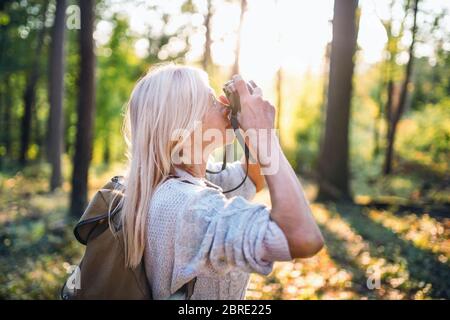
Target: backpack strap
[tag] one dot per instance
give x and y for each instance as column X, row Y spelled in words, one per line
column 190, row 288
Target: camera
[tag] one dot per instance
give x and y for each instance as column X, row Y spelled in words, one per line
column 233, row 96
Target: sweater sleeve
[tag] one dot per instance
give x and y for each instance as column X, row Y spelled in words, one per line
column 218, row 235
column 231, row 177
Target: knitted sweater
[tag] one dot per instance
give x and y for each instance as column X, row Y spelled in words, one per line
column 194, row 230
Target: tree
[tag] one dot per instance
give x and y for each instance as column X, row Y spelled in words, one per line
column 29, row 96
column 237, row 53
column 396, row 107
column 85, row 109
column 333, row 159
column 279, row 88
column 279, row 92
column 56, row 94
column 7, row 116
column 206, row 62
column 116, row 74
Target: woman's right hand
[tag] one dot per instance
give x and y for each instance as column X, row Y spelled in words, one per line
column 290, row 208
column 256, row 113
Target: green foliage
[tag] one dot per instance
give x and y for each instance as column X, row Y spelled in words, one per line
column 425, row 135
column 36, row 241
column 117, row 71
column 409, row 250
column 308, row 127
column 432, row 82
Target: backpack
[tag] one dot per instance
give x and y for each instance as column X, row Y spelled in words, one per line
column 102, row 273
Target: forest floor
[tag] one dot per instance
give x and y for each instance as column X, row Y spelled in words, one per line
column 383, row 246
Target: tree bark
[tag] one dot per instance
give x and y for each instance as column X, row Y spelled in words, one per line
column 395, row 112
column 56, row 95
column 29, row 96
column 85, row 110
column 235, row 69
column 206, row 62
column 333, row 160
column 7, row 117
column 279, row 88
column 106, row 152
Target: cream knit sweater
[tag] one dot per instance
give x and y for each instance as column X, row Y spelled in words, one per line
column 195, row 231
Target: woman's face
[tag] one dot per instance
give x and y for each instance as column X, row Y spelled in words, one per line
column 216, row 124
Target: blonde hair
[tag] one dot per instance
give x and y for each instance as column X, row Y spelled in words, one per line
column 167, row 98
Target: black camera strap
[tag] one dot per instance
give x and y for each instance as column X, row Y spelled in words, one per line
column 235, row 102
column 240, row 138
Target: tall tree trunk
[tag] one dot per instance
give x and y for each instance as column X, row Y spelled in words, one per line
column 279, row 88
column 85, row 110
column 206, row 62
column 237, row 51
column 376, row 135
column 388, row 110
column 323, row 105
column 7, row 141
column 333, row 161
column 56, row 95
column 378, row 119
column 29, row 96
column 395, row 111
column 2, row 124
column 106, row 152
column 4, row 92
column 36, row 134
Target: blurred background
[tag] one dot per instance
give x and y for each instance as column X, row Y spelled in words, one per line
column 362, row 90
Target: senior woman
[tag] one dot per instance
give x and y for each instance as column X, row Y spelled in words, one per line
column 177, row 217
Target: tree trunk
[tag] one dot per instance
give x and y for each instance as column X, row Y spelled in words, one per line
column 324, row 94
column 56, row 95
column 333, row 161
column 106, row 152
column 395, row 112
column 37, row 136
column 279, row 101
column 2, row 124
column 376, row 135
column 7, row 117
column 206, row 63
column 235, row 69
column 85, row 110
column 29, row 96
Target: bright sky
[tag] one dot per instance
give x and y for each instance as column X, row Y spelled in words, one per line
column 290, row 33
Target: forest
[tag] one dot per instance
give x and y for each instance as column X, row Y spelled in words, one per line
column 362, row 93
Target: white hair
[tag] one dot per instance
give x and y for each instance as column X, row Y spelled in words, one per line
column 168, row 98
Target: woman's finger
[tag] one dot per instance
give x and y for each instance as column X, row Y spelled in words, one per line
column 256, row 90
column 241, row 86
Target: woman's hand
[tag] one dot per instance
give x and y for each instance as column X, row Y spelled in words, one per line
column 256, row 113
column 290, row 208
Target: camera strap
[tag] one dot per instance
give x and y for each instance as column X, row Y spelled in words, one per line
column 235, row 101
column 240, row 138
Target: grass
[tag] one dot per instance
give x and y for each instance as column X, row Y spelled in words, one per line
column 370, row 253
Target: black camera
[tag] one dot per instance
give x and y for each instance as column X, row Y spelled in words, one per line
column 235, row 106
column 233, row 96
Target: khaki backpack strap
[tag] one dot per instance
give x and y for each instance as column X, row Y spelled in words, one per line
column 185, row 292
column 190, row 288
